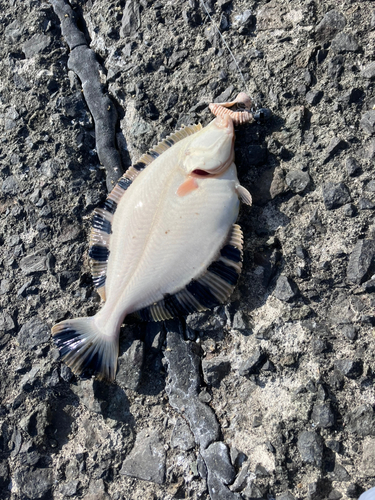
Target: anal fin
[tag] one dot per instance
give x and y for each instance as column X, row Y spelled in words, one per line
column 211, row 289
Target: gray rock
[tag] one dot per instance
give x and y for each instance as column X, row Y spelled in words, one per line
column 220, row 471
column 6, row 322
column 365, row 204
column 335, row 67
column 253, row 363
column 368, row 457
column 310, row 447
column 69, row 489
column 131, row 19
column 352, row 166
column 182, row 437
column 336, row 145
column 205, row 321
column 349, row 331
column 34, row 483
column 10, row 185
column 147, row 459
column 361, row 421
column 130, row 366
column 35, row 262
column 285, row 496
column 367, row 121
column 348, row 367
column 33, row 333
column 215, row 369
column 183, row 386
column 35, row 45
column 340, row 473
column 322, row 415
column 335, row 195
column 297, row 180
column 285, row 289
column 361, row 261
column 313, row 97
column 344, row 42
column 333, row 22
column 369, row 70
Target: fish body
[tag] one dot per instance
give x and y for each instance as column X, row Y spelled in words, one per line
column 164, row 244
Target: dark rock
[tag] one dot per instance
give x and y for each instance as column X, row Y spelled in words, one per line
column 340, row 473
column 35, row 262
column 322, row 415
column 369, row 286
column 297, row 180
column 367, row 121
column 335, row 67
column 352, row 166
column 34, row 483
column 310, row 448
column 171, row 101
column 253, row 363
column 220, row 471
column 333, row 445
column 361, row 261
column 35, row 45
column 335, row 195
column 361, row 421
column 344, row 42
column 335, row 146
column 331, row 24
column 177, row 57
column 183, row 386
column 215, row 369
column 313, row 97
column 365, row 204
column 205, row 321
column 147, row 459
column 130, row 366
column 369, row 70
column 182, row 437
column 285, row 289
column 348, row 367
column 313, row 491
column 10, row 186
column 33, row 333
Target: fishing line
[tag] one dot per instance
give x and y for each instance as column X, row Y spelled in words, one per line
column 226, row 46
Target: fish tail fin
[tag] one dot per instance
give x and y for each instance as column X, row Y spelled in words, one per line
column 83, row 346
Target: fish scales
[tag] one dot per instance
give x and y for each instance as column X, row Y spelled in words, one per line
column 164, row 244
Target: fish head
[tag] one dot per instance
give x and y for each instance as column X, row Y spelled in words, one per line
column 211, row 150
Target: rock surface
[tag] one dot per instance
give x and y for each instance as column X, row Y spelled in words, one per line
column 268, row 396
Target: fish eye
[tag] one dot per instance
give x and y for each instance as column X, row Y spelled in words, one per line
column 201, row 173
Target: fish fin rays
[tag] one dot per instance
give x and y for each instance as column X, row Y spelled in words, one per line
column 102, row 219
column 84, row 347
column 210, row 289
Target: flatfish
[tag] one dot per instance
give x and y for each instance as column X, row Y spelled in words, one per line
column 164, row 244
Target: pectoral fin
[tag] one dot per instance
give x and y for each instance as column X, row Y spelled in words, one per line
column 244, row 195
column 187, row 186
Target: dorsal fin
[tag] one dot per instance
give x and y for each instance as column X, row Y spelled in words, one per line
column 210, row 289
column 102, row 219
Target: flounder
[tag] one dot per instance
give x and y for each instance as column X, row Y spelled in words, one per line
column 164, row 244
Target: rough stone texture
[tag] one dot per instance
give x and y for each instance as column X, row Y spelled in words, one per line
column 160, row 64
column 147, row 459
column 335, row 195
column 310, row 447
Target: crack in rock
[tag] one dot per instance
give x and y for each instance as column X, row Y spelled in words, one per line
column 82, row 60
column 183, row 388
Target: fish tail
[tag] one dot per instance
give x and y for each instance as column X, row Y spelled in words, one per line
column 83, row 346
